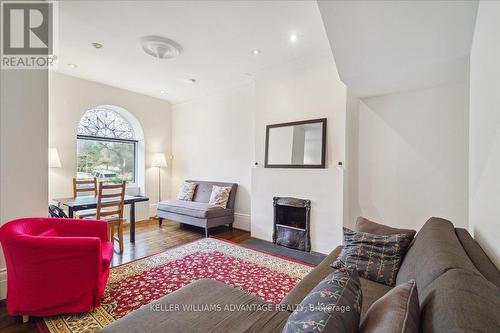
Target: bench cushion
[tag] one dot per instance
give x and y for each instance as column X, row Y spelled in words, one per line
column 194, row 209
column 161, row 316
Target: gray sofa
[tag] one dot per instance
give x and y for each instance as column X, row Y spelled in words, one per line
column 198, row 212
column 458, row 290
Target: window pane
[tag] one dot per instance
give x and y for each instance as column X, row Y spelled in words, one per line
column 106, row 160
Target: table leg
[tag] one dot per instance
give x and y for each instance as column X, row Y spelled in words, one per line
column 132, row 222
column 70, row 212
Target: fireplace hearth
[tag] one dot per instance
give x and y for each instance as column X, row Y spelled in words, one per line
column 292, row 223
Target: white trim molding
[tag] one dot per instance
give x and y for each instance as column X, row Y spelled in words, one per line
column 242, row 221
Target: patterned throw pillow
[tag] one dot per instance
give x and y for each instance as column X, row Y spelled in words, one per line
column 219, row 196
column 334, row 305
column 376, row 257
column 187, row 191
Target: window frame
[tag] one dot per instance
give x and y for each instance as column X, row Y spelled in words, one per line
column 106, row 139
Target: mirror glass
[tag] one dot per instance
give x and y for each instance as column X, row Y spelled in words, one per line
column 296, row 145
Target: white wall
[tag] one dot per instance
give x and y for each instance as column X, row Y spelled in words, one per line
column 71, row 97
column 213, row 140
column 484, row 162
column 408, row 157
column 23, row 148
column 285, row 94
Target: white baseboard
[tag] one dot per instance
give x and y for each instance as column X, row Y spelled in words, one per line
column 242, row 221
column 3, row 283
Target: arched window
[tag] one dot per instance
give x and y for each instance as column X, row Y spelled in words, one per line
column 105, row 123
column 106, row 146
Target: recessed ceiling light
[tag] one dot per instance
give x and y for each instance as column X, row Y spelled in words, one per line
column 293, row 38
column 97, row 45
column 73, row 65
column 255, row 51
column 162, row 92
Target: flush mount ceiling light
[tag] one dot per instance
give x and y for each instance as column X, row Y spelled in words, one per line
column 97, row 45
column 162, row 92
column 293, row 38
column 160, row 47
column 255, row 51
column 73, row 65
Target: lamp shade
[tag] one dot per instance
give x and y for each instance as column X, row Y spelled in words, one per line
column 159, row 161
column 54, row 161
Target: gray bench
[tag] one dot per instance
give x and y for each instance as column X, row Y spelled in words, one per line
column 198, row 212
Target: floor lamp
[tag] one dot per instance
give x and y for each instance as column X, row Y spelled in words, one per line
column 159, row 161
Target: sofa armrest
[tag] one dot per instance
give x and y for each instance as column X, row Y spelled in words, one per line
column 312, row 279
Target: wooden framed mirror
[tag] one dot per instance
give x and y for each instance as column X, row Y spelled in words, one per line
column 299, row 144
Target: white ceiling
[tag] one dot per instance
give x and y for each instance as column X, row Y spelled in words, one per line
column 382, row 47
column 216, row 37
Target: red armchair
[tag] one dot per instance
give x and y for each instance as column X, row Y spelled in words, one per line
column 55, row 266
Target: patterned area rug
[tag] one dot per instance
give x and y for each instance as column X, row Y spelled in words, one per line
column 140, row 282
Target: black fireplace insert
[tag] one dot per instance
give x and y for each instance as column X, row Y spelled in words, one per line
column 292, row 223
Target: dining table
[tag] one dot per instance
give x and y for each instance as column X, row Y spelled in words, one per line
column 90, row 202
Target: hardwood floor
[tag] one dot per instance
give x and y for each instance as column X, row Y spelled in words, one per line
column 149, row 239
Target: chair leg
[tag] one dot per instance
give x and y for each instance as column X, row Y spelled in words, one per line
column 160, row 220
column 26, row 318
column 120, row 237
column 110, row 233
column 206, row 232
column 230, row 227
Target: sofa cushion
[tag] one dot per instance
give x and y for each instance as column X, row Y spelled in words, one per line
column 478, row 257
column 334, row 305
column 195, row 209
column 371, row 227
column 376, row 257
column 372, row 291
column 168, row 314
column 460, row 301
column 437, row 243
column 397, row 311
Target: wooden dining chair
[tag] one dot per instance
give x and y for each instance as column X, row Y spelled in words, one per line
column 85, row 185
column 81, row 185
column 110, row 202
